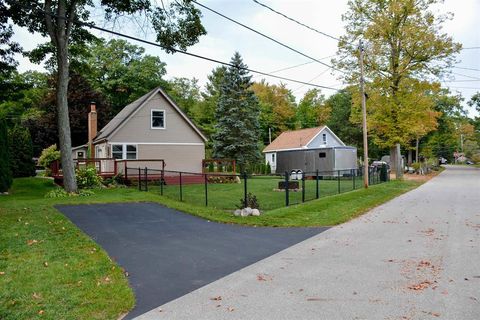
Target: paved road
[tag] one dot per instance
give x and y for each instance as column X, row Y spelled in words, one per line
column 168, row 253
column 416, row 257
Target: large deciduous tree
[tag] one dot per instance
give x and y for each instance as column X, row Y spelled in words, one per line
column 312, row 110
column 404, row 46
column 237, row 128
column 63, row 22
column 277, row 109
column 5, row 170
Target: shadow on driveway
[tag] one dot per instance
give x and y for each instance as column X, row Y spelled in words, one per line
column 168, row 253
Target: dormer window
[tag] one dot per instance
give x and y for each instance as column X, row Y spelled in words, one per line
column 158, row 119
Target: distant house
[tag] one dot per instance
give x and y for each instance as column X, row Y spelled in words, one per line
column 150, row 128
column 308, row 150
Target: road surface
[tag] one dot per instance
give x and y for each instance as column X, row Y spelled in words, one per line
column 415, row 257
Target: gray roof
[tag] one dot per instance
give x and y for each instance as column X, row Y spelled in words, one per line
column 128, row 111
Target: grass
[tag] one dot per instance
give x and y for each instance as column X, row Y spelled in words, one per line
column 49, row 269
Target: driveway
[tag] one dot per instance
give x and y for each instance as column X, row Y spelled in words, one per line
column 168, row 253
column 415, row 257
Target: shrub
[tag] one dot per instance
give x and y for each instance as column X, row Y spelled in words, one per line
column 268, row 169
column 5, row 170
column 252, row 202
column 211, row 167
column 61, row 193
column 49, row 155
column 88, row 178
column 21, row 152
column 476, row 158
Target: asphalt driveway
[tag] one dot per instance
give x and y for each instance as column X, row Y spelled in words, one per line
column 168, row 253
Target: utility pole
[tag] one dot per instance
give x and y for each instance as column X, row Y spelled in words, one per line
column 364, row 118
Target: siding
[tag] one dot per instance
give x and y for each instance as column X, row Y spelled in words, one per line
column 138, row 128
column 177, row 157
column 332, row 141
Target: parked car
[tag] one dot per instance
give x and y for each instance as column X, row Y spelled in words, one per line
column 442, row 160
column 469, row 162
column 378, row 165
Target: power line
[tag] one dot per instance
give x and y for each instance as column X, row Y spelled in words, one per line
column 92, row 26
column 470, row 48
column 296, row 21
column 265, row 36
column 463, row 68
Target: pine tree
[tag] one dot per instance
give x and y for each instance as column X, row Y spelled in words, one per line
column 5, row 173
column 237, row 129
column 21, row 152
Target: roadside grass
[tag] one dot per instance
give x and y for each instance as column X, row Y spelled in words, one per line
column 49, row 269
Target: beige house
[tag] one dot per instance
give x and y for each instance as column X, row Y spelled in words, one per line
column 152, row 127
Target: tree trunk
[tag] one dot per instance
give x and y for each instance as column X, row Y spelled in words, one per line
column 409, row 161
column 416, row 150
column 69, row 179
column 396, row 161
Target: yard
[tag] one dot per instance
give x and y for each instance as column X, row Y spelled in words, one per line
column 50, row 269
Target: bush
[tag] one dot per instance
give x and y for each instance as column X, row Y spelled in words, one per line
column 88, row 178
column 21, row 152
column 115, row 181
column 5, row 170
column 49, row 155
column 252, row 202
column 268, row 169
column 61, row 193
column 211, row 167
column 476, row 158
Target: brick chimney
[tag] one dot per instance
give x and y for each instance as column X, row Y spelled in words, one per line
column 92, row 128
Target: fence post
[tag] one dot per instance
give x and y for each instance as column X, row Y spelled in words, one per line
column 139, row 179
column 286, row 189
column 162, row 181
column 352, row 172
column 318, row 191
column 245, row 188
column 206, row 190
column 303, row 186
column 146, row 179
column 181, row 195
column 338, row 179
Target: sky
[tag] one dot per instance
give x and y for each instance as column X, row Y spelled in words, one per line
column 224, row 38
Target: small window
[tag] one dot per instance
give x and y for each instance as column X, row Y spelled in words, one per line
column 80, row 155
column 322, row 155
column 158, row 119
column 273, row 157
column 131, row 152
column 117, row 151
column 324, row 138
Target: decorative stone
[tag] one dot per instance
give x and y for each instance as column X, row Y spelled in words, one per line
column 255, row 212
column 244, row 213
column 237, row 212
column 249, row 211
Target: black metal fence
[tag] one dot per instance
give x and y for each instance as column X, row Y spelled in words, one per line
column 227, row 191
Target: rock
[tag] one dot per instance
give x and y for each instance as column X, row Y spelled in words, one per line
column 237, row 212
column 255, row 212
column 244, row 213
column 249, row 211
column 237, row 179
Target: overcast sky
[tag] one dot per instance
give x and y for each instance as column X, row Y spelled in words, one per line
column 225, row 37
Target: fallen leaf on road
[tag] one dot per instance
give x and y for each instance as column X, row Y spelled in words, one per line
column 420, row 286
column 230, row 309
column 216, row 298
column 264, row 277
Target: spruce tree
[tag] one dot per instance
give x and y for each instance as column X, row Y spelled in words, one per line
column 5, row 173
column 21, row 152
column 237, row 129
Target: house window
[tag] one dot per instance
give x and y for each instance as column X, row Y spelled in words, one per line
column 273, row 157
column 322, row 155
column 131, row 152
column 324, row 138
column 80, row 155
column 158, row 119
column 124, row 151
column 117, row 151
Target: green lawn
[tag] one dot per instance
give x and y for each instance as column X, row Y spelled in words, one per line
column 49, row 269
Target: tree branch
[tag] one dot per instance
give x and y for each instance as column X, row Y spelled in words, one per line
column 48, row 21
column 71, row 18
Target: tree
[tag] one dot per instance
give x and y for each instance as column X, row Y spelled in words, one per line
column 186, row 94
column 21, row 152
column 177, row 25
column 237, row 128
column 43, row 127
column 405, row 45
column 277, row 109
column 7, row 47
column 5, row 171
column 312, row 110
column 120, row 71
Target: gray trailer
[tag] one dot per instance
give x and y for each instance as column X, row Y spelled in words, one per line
column 327, row 160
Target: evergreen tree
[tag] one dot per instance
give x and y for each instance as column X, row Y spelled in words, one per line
column 237, row 129
column 21, row 152
column 5, row 173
